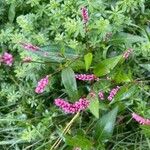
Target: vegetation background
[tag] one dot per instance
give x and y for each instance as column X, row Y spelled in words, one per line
column 31, row 121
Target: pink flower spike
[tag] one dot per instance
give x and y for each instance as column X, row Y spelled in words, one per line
column 85, row 16
column 113, row 92
column 30, row 47
column 41, row 85
column 140, row 119
column 69, row 108
column 127, row 53
column 86, row 77
column 101, row 95
column 7, row 59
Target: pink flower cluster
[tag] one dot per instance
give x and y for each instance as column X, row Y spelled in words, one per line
column 101, row 95
column 140, row 119
column 7, row 59
column 113, row 92
column 86, row 77
column 41, row 85
column 85, row 16
column 67, row 107
column 127, row 53
column 30, row 47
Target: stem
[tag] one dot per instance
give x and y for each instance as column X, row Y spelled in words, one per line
column 66, row 129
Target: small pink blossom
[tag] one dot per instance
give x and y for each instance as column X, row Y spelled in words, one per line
column 92, row 94
column 86, row 77
column 7, row 59
column 41, row 85
column 30, row 47
column 140, row 119
column 84, row 13
column 127, row 53
column 67, row 107
column 101, row 95
column 27, row 59
column 113, row 92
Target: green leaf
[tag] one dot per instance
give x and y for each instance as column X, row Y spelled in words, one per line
column 127, row 38
column 94, row 106
column 146, row 66
column 88, row 60
column 11, row 12
column 121, row 77
column 102, row 85
column 106, row 66
column 56, row 53
column 105, row 126
column 78, row 141
column 69, row 82
column 124, row 92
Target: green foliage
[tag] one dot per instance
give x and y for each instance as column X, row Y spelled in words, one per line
column 88, row 60
column 69, row 82
column 106, row 65
column 105, row 126
column 68, row 46
column 94, row 106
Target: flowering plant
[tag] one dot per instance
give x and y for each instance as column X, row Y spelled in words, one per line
column 74, row 74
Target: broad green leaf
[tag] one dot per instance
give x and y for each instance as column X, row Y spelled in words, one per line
column 79, row 141
column 56, row 53
column 121, row 77
column 105, row 126
column 146, row 66
column 125, row 92
column 88, row 60
column 102, row 85
column 106, row 66
column 94, row 106
column 127, row 38
column 11, row 12
column 69, row 82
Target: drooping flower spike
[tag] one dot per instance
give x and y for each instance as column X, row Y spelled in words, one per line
column 140, row 119
column 86, row 77
column 30, row 47
column 69, row 108
column 41, row 85
column 113, row 92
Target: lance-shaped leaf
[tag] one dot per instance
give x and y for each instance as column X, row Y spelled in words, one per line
column 124, row 92
column 105, row 126
column 79, row 141
column 69, row 82
column 127, row 38
column 105, row 66
column 56, row 53
column 88, row 60
column 11, row 12
column 94, row 106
